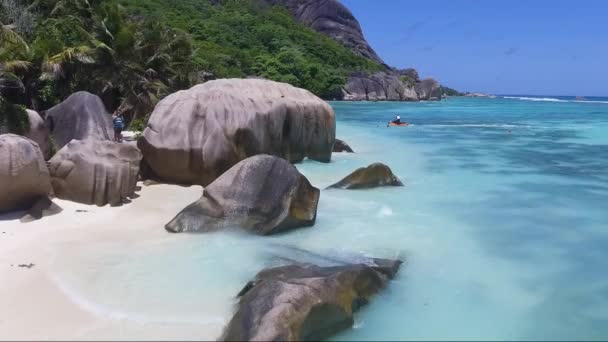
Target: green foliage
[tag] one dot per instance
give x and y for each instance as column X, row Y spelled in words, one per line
column 134, row 52
column 408, row 81
column 449, row 91
column 94, row 45
column 238, row 38
column 13, row 117
column 139, row 124
column 52, row 146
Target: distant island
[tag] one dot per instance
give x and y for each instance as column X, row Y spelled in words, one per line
column 479, row 95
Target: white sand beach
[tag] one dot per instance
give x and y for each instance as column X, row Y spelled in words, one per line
column 34, row 306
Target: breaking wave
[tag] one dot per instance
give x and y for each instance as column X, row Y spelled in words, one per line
column 550, row 99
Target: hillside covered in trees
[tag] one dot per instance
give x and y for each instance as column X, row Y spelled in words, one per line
column 245, row 38
column 133, row 52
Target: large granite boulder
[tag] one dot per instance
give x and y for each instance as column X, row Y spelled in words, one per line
column 194, row 136
column 39, row 133
column 428, row 89
column 380, row 86
column 342, row 146
column 333, row 19
column 303, row 302
column 391, row 85
column 81, row 116
column 262, row 194
column 95, row 172
column 373, row 176
column 24, row 177
column 411, row 73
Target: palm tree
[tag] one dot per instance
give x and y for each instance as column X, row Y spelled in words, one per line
column 129, row 63
column 14, row 61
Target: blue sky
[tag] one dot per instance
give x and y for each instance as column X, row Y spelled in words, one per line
column 534, row 47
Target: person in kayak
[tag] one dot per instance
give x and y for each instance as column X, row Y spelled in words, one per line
column 397, row 120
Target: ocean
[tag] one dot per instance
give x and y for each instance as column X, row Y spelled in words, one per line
column 502, row 224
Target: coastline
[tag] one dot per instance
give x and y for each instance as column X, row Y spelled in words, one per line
column 34, row 305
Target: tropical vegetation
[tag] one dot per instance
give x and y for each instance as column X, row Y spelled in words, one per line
column 240, row 38
column 449, row 91
column 92, row 45
column 133, row 52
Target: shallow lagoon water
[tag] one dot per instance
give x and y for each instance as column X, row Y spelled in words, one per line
column 504, row 234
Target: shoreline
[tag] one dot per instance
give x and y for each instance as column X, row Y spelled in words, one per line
column 35, row 305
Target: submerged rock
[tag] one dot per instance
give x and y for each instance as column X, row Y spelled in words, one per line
column 81, row 116
column 306, row 302
column 261, row 194
column 95, row 172
column 342, row 146
column 194, row 136
column 24, row 177
column 375, row 175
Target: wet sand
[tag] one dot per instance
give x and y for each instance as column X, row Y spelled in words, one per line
column 34, row 306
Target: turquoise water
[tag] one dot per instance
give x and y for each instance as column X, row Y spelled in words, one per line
column 503, row 224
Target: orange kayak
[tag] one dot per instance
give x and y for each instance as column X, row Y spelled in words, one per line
column 394, row 124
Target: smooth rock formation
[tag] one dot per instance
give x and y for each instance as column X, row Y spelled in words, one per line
column 392, row 85
column 81, row 116
column 428, row 89
column 373, row 176
column 262, row 194
column 381, row 86
column 39, row 133
column 305, row 302
column 342, row 146
column 95, row 172
column 333, row 19
column 24, row 177
column 194, row 136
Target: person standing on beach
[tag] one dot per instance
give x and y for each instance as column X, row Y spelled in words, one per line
column 118, row 121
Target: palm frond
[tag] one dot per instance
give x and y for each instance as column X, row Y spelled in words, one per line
column 82, row 54
column 17, row 66
column 8, row 35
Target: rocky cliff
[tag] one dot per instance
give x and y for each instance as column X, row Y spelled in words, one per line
column 390, row 85
column 333, row 19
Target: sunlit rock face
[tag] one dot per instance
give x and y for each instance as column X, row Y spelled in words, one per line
column 194, row 136
column 95, row 172
column 81, row 116
column 24, row 177
column 333, row 19
column 263, row 194
column 303, row 302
